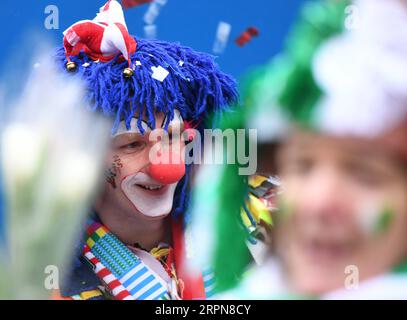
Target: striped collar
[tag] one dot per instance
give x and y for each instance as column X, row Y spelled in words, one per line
column 82, row 276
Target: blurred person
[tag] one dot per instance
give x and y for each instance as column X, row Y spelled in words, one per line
column 332, row 113
column 133, row 247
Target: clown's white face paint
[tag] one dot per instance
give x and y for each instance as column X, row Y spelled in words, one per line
column 150, row 198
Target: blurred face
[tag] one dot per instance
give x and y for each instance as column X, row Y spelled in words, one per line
column 130, row 186
column 344, row 203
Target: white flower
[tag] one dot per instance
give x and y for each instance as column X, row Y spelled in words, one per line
column 22, row 151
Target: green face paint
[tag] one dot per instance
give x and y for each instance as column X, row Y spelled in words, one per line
column 378, row 221
column 383, row 221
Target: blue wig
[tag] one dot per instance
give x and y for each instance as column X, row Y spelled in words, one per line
column 195, row 86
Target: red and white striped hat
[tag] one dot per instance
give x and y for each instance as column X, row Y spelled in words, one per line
column 101, row 38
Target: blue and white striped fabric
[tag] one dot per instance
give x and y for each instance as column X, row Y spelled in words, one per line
column 120, row 263
column 143, row 284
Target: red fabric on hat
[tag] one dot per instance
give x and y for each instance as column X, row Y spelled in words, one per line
column 102, row 38
column 133, row 3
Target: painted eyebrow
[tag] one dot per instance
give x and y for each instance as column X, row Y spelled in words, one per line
column 144, row 118
column 164, row 120
column 136, row 127
column 144, row 121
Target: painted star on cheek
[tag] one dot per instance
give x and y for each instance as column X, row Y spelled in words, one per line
column 112, row 172
column 117, row 163
column 111, row 178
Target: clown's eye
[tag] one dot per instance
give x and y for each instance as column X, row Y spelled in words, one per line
column 134, row 146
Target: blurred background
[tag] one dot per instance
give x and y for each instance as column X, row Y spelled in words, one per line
column 191, row 22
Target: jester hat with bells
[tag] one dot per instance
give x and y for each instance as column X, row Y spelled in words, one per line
column 126, row 76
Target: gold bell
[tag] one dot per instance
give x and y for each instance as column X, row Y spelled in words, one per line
column 71, row 66
column 128, row 72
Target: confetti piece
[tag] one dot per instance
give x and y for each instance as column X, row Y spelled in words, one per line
column 159, row 73
column 150, row 31
column 86, row 64
column 181, row 63
column 247, row 36
column 138, row 63
column 222, row 37
column 153, row 11
column 254, row 32
column 133, row 3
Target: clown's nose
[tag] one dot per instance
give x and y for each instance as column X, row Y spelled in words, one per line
column 170, row 170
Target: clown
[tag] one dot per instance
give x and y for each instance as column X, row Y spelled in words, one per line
column 134, row 246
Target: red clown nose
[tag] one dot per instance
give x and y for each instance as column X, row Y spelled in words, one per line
column 170, row 170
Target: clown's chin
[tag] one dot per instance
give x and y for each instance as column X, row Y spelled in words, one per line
column 150, row 198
